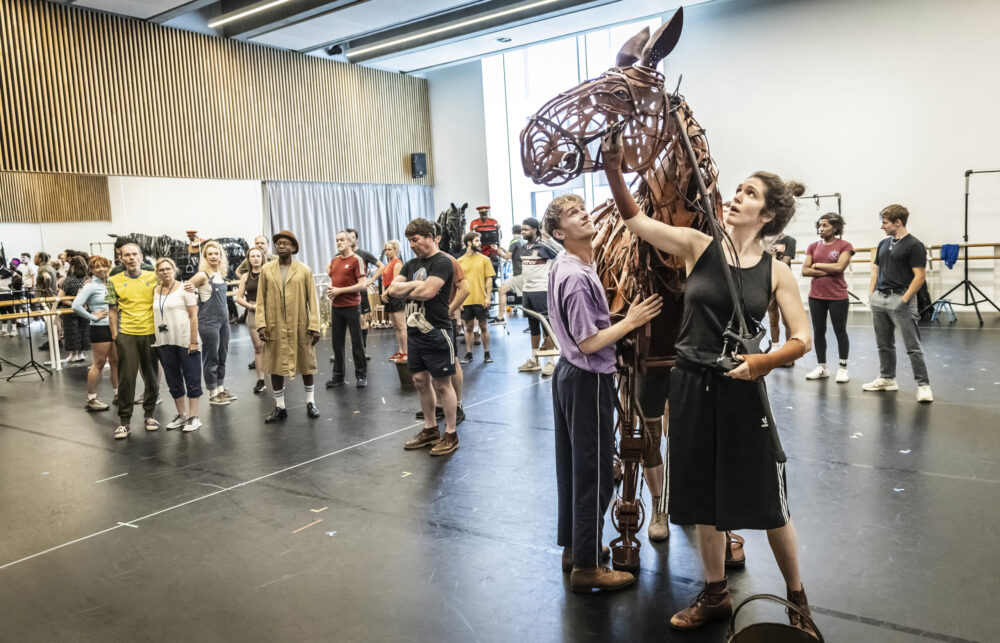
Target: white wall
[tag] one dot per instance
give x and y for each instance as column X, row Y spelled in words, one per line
column 458, row 138
column 884, row 102
column 152, row 206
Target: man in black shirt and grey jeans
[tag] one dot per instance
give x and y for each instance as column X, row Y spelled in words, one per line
column 899, row 271
column 430, row 353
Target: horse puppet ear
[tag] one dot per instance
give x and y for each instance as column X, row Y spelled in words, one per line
column 464, row 206
column 632, row 49
column 453, row 206
column 663, row 41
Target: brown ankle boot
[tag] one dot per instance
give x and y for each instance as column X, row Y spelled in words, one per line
column 567, row 558
column 584, row 579
column 713, row 604
column 800, row 601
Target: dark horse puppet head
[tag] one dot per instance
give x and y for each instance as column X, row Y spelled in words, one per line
column 563, row 140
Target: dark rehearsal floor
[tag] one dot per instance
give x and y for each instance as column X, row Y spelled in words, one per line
column 328, row 530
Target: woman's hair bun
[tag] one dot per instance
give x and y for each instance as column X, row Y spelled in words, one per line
column 796, row 188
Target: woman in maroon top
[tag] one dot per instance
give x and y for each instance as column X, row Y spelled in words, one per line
column 825, row 261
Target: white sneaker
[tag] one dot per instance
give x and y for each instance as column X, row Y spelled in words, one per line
column 122, row 432
column 549, row 368
column 152, row 424
column 881, row 384
column 227, row 394
column 530, row 365
column 924, row 393
column 818, row 373
column 842, row 376
column 193, row 424
column 177, row 422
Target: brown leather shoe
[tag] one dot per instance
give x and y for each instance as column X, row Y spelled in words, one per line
column 584, row 579
column 447, row 444
column 567, row 558
column 800, row 600
column 423, row 439
column 735, row 557
column 659, row 526
column 712, row 604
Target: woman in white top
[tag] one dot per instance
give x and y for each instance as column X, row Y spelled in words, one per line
column 213, row 320
column 246, row 296
column 175, row 314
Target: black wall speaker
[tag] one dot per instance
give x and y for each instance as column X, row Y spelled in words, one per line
column 418, row 165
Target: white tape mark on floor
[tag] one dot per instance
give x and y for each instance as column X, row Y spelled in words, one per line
column 248, row 482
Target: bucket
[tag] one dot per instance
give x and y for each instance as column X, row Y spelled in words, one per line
column 772, row 632
column 405, row 376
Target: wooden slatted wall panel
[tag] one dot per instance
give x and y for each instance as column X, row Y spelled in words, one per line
column 91, row 93
column 50, row 198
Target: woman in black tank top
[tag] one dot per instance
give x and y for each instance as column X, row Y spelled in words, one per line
column 723, row 473
column 246, row 296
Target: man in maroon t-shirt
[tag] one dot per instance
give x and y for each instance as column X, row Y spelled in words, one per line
column 347, row 282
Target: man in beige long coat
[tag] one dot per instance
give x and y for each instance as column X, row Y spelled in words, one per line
column 288, row 323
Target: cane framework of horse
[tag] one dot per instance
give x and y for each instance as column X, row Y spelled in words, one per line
column 561, row 141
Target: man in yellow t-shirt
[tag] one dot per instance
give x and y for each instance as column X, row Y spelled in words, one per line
column 130, row 299
column 479, row 272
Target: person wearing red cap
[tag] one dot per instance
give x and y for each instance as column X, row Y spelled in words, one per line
column 287, row 320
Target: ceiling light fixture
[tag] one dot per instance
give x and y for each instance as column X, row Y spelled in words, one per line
column 247, row 12
column 503, row 39
column 458, row 25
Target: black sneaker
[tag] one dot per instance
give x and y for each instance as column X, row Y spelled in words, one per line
column 252, row 365
column 259, row 388
column 335, row 382
column 438, row 412
column 459, row 416
column 362, row 382
column 487, row 358
column 311, row 410
column 277, row 415
column 467, row 358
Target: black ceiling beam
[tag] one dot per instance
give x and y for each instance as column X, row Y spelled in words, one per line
column 425, row 33
column 276, row 17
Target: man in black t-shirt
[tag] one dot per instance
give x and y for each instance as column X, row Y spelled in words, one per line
column 430, row 353
column 899, row 271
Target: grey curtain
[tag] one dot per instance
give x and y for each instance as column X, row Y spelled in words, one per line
column 315, row 212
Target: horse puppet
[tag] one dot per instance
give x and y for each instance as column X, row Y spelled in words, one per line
column 675, row 174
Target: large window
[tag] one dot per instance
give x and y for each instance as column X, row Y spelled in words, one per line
column 515, row 85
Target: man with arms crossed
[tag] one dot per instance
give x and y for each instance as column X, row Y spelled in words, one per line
column 430, row 351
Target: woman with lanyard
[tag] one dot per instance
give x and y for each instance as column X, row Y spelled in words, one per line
column 724, row 473
column 246, row 296
column 89, row 304
column 394, row 306
column 175, row 314
column 213, row 320
column 76, row 328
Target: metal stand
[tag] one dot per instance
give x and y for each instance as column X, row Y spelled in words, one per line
column 969, row 289
column 32, row 364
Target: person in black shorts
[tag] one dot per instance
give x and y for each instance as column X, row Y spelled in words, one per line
column 724, row 473
column 430, row 347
